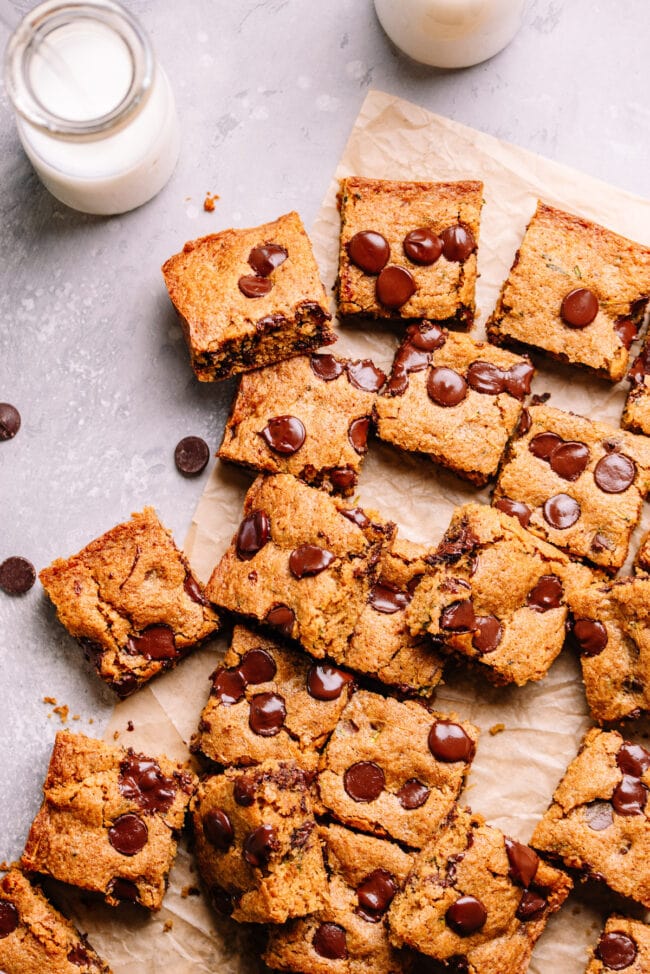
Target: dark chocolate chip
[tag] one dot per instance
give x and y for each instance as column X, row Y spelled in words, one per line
column 488, row 635
column 525, row 422
column 569, row 459
column 343, row 478
column 228, row 686
column 79, row 955
column 142, row 781
column 266, row 258
column 579, row 307
column 466, row 916
column 268, row 714
column 123, row 889
column 515, row 509
column 626, row 331
column 364, row 781
column 364, row 375
column 422, row 246
column 9, row 421
column 156, row 642
column 257, row 666
column 252, row 286
column 369, row 250
column 531, row 906
column 630, row 796
column 375, row 894
column 270, row 323
column 617, row 950
column 426, row 336
column 458, row 243
column 358, row 434
column 633, row 759
column 446, row 387
column 281, row 618
column 542, row 445
column 244, row 792
column 599, row 816
column 218, row 829
column 330, row 941
column 356, row 515
column 601, row 543
column 260, row 845
column 388, row 598
column 326, row 367
column 518, row 379
column 523, row 860
column 590, row 635
column 254, row 532
column 561, row 511
column 458, row 617
column 9, row 918
column 547, row 594
column 309, row 560
column 325, row 682
column 17, row 575
column 486, row 378
column 615, row 473
column 191, row 455
column 194, row 590
column 448, row 742
column 128, row 834
column 222, row 900
column 412, row 794
column 284, row 434
column 395, row 286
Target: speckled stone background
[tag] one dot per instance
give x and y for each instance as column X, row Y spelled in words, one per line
column 90, row 350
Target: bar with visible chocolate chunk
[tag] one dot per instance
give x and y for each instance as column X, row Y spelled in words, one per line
column 599, row 820
column 408, row 249
column 395, row 768
column 476, row 900
column 611, row 630
column 37, row 939
column 309, row 417
column 624, row 945
column 301, row 562
column 456, row 399
column 269, row 700
column 257, row 844
column 132, row 601
column 247, row 298
column 350, row 934
column 576, row 291
column 577, row 483
column 109, row 821
column 642, row 557
column 636, row 414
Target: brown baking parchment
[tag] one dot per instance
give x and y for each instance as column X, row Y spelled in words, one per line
column 515, row 770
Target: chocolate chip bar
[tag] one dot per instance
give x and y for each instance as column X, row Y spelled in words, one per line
column 624, row 945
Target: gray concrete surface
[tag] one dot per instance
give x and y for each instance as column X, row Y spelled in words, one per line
column 90, row 351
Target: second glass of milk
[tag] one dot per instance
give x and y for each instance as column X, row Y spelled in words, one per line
column 94, row 109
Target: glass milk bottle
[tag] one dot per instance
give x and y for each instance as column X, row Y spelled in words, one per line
column 94, row 109
column 450, row 33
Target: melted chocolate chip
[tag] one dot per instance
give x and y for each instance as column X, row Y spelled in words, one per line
column 617, row 950
column 630, row 796
column 9, row 421
column 254, row 532
column 599, row 816
column 244, row 792
column 486, row 378
column 365, row 375
column 388, row 598
column 342, row 478
column 448, row 742
column 524, row 424
column 309, row 560
column 281, row 618
column 142, row 781
column 364, row 781
column 518, row 380
column 228, row 686
column 123, row 889
column 395, row 286
column 268, row 714
column 252, row 286
column 633, row 759
column 590, row 635
column 218, row 829
column 542, row 445
column 128, row 834
column 579, row 307
column 561, row 511
column 426, row 336
column 369, row 250
column 515, row 509
column 458, row 243
column 222, row 900
column 615, row 473
column 259, row 846
column 547, row 594
column 412, row 794
column 569, row 459
column 488, row 635
column 422, row 246
column 446, row 387
column 330, row 941
column 356, row 515
column 156, row 642
column 79, row 955
column 9, row 918
column 466, row 916
column 17, row 575
column 458, row 617
column 191, row 455
column 284, row 434
column 326, row 367
column 626, row 331
column 194, row 590
column 523, row 862
column 358, row 434
column 257, row 666
column 325, row 682
column 266, row 258
column 375, row 894
column 531, row 906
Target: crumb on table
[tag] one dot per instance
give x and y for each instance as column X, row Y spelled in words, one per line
column 497, row 729
column 209, row 201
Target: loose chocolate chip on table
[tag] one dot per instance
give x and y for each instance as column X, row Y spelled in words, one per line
column 266, row 258
column 309, row 560
column 142, row 781
column 123, row 889
column 79, row 956
column 193, row 589
column 590, row 635
column 259, row 846
column 330, row 942
column 448, row 742
column 365, row 375
column 458, row 617
column 281, row 618
column 253, row 286
column 561, row 511
column 17, row 575
column 326, row 367
column 222, row 900
column 579, row 307
column 254, row 532
column 546, row 594
column 388, row 598
column 156, row 642
column 630, row 796
column 375, row 894
column 615, row 473
column 364, row 781
column 523, row 862
column 9, row 421
column 268, row 714
column 358, row 434
column 569, row 459
column 542, row 445
column 218, row 829
column 228, row 686
column 515, row 509
column 343, row 478
column 466, row 916
column 633, row 759
column 488, row 635
column 395, row 285
column 244, row 792
column 9, row 918
column 257, row 666
column 369, row 250
column 422, row 246
column 191, row 455
column 457, row 243
column 128, row 834
column 617, row 950
column 284, row 434
column 325, row 682
column 531, row 906
column 446, row 387
column 412, row 794
column 626, row 331
column 599, row 816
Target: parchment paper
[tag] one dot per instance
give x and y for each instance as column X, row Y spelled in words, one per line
column 515, row 771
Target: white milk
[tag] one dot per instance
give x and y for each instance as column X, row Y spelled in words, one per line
column 450, row 33
column 95, row 112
